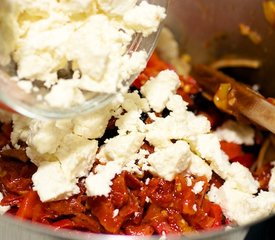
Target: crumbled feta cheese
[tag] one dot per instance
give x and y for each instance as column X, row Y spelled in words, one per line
column 8, row 29
column 168, row 47
column 130, row 122
column 147, row 199
column 116, row 7
column 71, row 95
column 133, row 102
column 99, row 183
column 173, row 138
column 115, row 213
column 131, row 65
column 198, row 187
column 51, row 182
column 138, row 163
column 69, row 165
column 133, row 167
column 3, row 209
column 121, row 147
column 195, row 207
column 92, row 125
column 242, row 178
column 57, row 35
column 165, row 83
column 179, row 124
column 163, row 236
column 46, row 136
column 170, row 161
column 25, row 85
column 77, row 161
column 116, row 153
column 144, row 18
column 199, row 167
column 188, row 181
column 271, row 183
column 207, row 146
column 242, row 207
column 232, row 131
column 20, row 129
column 147, row 181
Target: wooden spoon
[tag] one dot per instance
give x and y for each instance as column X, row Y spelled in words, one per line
column 239, row 100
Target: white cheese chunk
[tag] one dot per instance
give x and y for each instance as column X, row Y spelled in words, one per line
column 115, row 213
column 8, row 29
column 43, row 37
column 168, row 47
column 52, row 183
column 99, row 183
column 3, row 209
column 46, row 136
column 171, row 160
column 20, row 129
column 242, row 178
column 179, row 124
column 207, row 146
column 25, row 85
column 76, row 155
column 116, row 7
column 117, row 154
column 71, row 95
column 144, row 18
column 130, row 66
column 71, row 164
column 132, row 101
column 93, row 125
column 271, row 183
column 199, row 167
column 198, row 187
column 77, row 6
column 232, row 131
column 158, row 90
column 242, row 207
column 121, row 147
column 130, row 122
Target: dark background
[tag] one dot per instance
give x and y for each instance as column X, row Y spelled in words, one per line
column 262, row 231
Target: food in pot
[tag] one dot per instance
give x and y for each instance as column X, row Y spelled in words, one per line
column 163, row 161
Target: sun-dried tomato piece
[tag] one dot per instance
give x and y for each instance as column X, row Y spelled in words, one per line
column 26, row 206
column 231, row 149
column 72, row 205
column 85, row 222
column 139, row 230
column 119, row 193
column 160, row 192
column 103, row 209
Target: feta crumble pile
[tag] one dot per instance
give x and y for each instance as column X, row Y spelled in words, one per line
column 66, row 150
column 87, row 40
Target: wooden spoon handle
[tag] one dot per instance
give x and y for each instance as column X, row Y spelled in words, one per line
column 242, row 100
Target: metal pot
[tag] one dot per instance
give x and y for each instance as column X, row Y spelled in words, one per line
column 208, row 31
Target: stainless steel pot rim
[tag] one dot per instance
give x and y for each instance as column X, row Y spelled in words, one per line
column 77, row 235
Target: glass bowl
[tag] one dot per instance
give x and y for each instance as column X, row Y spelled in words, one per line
column 29, row 105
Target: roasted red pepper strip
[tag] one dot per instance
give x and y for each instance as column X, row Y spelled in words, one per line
column 64, row 223
column 246, row 160
column 139, row 230
column 26, row 206
column 231, row 149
